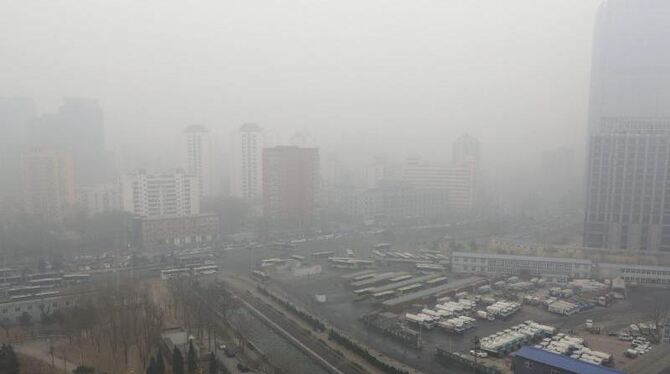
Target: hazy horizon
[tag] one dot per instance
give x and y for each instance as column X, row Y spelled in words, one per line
column 515, row 75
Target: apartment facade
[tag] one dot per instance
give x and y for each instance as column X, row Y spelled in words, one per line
column 48, row 184
column 197, row 158
column 176, row 231
column 457, row 181
column 247, row 163
column 99, row 198
column 291, row 184
column 155, row 195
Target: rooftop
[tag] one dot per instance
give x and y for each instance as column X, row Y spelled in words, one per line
column 563, row 362
column 523, row 258
column 455, row 285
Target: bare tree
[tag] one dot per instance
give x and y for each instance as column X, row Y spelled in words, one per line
column 659, row 314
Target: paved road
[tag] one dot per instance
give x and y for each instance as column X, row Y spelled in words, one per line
column 335, row 362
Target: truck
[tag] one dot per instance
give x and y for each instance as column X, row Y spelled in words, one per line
column 484, row 315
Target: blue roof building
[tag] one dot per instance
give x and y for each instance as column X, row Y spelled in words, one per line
column 529, row 360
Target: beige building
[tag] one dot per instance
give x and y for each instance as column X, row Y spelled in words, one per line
column 48, row 184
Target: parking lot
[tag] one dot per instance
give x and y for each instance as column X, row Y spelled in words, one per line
column 342, row 309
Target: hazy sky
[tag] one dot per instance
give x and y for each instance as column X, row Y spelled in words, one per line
column 411, row 74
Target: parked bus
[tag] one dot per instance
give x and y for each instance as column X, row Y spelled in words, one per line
column 271, row 261
column 436, row 281
column 382, row 246
column 260, row 276
column 384, row 295
column 322, row 254
column 174, row 273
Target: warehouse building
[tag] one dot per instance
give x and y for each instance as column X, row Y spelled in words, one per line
column 529, row 360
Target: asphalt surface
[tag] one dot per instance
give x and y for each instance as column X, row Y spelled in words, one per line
column 340, row 311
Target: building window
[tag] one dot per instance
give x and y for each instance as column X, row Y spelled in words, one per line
column 528, row 364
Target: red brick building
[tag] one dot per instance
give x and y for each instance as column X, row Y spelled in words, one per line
column 290, row 186
column 177, row 230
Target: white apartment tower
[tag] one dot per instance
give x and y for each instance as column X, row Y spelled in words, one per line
column 197, row 158
column 156, row 195
column 247, row 167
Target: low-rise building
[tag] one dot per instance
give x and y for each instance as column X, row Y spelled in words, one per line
column 552, row 268
column 529, row 360
column 636, row 274
column 177, row 230
column 177, row 337
column 37, row 305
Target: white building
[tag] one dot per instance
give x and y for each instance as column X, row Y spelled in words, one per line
column 247, row 163
column 37, row 305
column 99, row 198
column 458, row 181
column 197, row 157
column 636, row 274
column 553, row 268
column 154, row 195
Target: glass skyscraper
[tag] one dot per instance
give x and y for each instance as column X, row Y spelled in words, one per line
column 628, row 176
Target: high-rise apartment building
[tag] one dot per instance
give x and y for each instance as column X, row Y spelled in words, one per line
column 197, row 158
column 16, row 115
column 466, row 152
column 155, row 195
column 247, row 163
column 291, row 184
column 77, row 127
column 48, row 184
column 628, row 186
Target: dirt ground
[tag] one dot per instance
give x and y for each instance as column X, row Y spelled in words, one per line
column 87, row 354
column 610, row 344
